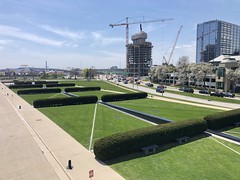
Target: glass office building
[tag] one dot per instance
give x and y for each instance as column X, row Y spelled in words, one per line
column 215, row 38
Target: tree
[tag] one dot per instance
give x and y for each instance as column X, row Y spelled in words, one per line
column 200, row 71
column 234, row 76
column 183, row 70
column 44, row 75
column 88, row 73
column 75, row 72
column 161, row 73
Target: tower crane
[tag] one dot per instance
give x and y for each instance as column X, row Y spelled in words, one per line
column 137, row 22
column 167, row 62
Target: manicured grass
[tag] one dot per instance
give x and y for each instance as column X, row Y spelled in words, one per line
column 31, row 98
column 201, row 159
column 102, row 84
column 169, row 110
column 77, row 121
column 94, row 93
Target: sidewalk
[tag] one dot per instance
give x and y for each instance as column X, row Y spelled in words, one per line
column 51, row 142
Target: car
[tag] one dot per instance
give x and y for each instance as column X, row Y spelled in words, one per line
column 228, row 94
column 160, row 89
column 204, row 91
column 149, row 84
column 186, row 89
column 218, row 94
column 125, row 82
column 181, row 88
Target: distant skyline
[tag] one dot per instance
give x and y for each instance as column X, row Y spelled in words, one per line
column 76, row 33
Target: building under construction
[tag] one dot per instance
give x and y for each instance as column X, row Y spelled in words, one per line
column 139, row 55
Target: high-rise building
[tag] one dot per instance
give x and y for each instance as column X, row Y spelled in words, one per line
column 215, row 38
column 139, row 55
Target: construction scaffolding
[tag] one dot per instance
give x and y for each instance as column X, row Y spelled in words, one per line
column 139, row 55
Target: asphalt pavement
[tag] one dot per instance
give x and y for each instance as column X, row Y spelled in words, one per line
column 181, row 97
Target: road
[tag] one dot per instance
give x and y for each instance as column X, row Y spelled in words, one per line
column 182, row 97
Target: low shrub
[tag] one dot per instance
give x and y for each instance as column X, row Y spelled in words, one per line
column 22, row 86
column 222, row 119
column 82, row 89
column 22, row 82
column 64, row 101
column 38, row 91
column 122, row 97
column 132, row 141
column 60, row 85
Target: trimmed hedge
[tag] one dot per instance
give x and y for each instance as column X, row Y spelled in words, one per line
column 122, row 97
column 60, row 85
column 82, row 89
column 132, row 141
column 38, row 91
column 22, row 82
column 22, row 86
column 222, row 119
column 65, row 101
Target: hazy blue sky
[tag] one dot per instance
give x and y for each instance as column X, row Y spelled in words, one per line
column 76, row 33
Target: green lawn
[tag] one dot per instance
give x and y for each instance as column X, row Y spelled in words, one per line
column 31, row 98
column 77, row 121
column 102, row 84
column 92, row 93
column 169, row 110
column 201, row 159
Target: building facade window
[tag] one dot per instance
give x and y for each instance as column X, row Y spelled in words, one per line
column 215, row 38
column 219, row 85
column 221, row 72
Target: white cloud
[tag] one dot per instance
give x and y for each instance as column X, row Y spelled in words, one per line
column 100, row 39
column 65, row 33
column 4, row 42
column 18, row 33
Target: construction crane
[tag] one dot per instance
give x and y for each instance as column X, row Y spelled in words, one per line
column 137, row 22
column 167, row 62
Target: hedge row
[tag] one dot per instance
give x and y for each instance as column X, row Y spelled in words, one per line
column 122, row 97
column 82, row 89
column 222, row 119
column 132, row 141
column 38, row 91
column 60, row 85
column 64, row 101
column 22, row 82
column 25, row 86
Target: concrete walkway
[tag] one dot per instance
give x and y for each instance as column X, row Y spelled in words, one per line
column 45, row 148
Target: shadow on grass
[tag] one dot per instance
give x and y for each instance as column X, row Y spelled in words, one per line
column 159, row 150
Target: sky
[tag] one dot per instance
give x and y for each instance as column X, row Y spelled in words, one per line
column 76, row 33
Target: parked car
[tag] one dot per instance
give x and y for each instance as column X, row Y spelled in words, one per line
column 204, row 91
column 181, row 88
column 160, row 89
column 125, row 82
column 186, row 89
column 149, row 84
column 218, row 94
column 228, row 94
